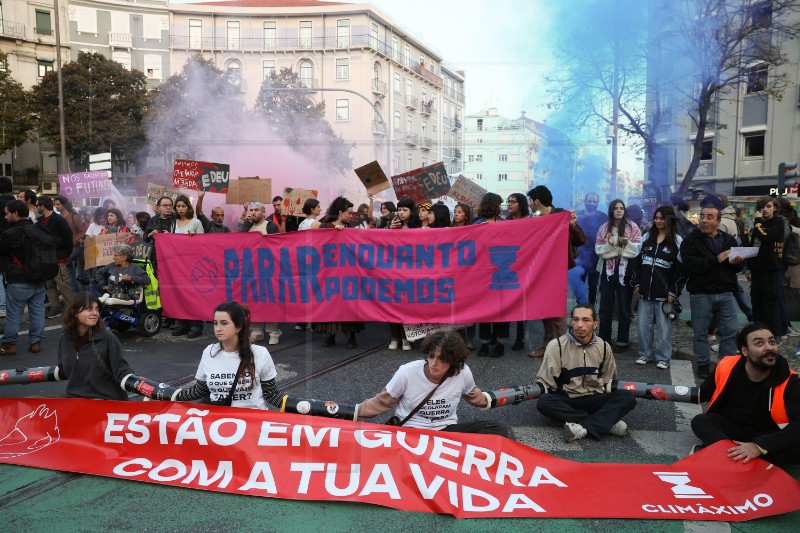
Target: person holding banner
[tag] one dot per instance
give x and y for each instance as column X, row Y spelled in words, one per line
column 89, row 356
column 425, row 393
column 187, row 224
column 233, row 371
column 462, row 215
column 576, row 369
column 99, row 222
column 518, row 209
column 404, row 218
column 311, row 209
column 754, row 400
column 388, row 209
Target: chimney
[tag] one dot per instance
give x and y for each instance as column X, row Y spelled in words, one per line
column 492, row 111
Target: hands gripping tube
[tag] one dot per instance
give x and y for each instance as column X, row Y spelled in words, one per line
column 26, row 376
column 327, row 409
column 149, row 388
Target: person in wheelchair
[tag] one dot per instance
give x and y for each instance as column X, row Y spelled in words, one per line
column 122, row 281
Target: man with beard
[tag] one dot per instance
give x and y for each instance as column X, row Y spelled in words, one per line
column 754, row 400
column 589, row 221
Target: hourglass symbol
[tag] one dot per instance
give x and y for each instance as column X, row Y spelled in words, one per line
column 504, row 278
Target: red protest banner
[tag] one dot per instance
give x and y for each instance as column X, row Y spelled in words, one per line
column 279, row 455
column 481, row 273
column 200, row 175
column 422, row 184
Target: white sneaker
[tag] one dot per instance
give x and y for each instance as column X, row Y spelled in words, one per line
column 275, row 336
column 573, row 431
column 406, row 345
column 2, row 312
column 393, row 345
column 256, row 337
column 620, row 429
column 715, row 348
column 298, row 327
column 641, row 361
column 663, row 365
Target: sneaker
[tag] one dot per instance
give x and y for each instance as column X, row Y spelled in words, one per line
column 2, row 312
column 792, row 332
column 715, row 348
column 703, row 371
column 256, row 336
column 642, row 361
column 53, row 313
column 298, row 327
column 537, row 353
column 663, row 365
column 406, row 345
column 620, row 429
column 8, row 348
column 393, row 345
column 275, row 336
column 573, row 432
column 711, row 337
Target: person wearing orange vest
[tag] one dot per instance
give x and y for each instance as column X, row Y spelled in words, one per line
column 753, row 400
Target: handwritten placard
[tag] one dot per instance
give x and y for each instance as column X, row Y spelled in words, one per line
column 420, row 331
column 293, row 200
column 373, row 177
column 78, row 185
column 249, row 189
column 466, row 191
column 154, row 192
column 200, row 175
column 422, row 184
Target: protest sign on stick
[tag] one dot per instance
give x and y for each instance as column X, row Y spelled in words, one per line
column 154, row 192
column 422, row 184
column 373, row 177
column 466, row 191
column 201, row 175
column 249, row 189
column 293, row 200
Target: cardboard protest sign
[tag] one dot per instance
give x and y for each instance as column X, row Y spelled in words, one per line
column 293, row 200
column 142, row 181
column 85, row 184
column 154, row 192
column 373, row 177
column 99, row 250
column 420, row 331
column 422, row 184
column 249, row 189
column 466, row 191
column 201, row 175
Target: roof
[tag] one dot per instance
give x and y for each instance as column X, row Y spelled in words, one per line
column 272, row 3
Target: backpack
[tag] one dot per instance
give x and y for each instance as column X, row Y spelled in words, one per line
column 791, row 248
column 39, row 253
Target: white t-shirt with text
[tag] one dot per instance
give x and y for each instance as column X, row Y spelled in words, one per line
column 410, row 385
column 218, row 372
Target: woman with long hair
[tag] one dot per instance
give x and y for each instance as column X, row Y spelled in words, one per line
column 657, row 276
column 98, row 223
column 491, row 332
column 425, row 393
column 186, row 223
column 133, row 225
column 406, row 216
column 231, row 358
column 462, row 215
column 89, row 356
column 617, row 243
column 388, row 209
column 115, row 223
column 518, row 206
column 338, row 217
column 441, row 216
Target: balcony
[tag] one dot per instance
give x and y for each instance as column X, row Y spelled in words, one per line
column 377, row 128
column 308, row 83
column 12, row 29
column 446, row 122
column 121, row 40
column 457, row 124
column 426, row 143
column 379, row 87
column 412, row 102
column 427, row 108
column 411, row 139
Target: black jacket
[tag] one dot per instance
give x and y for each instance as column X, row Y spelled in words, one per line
column 210, row 227
column 4, row 199
column 768, row 236
column 161, row 225
column 781, row 439
column 62, row 233
column 706, row 275
column 657, row 272
column 11, row 248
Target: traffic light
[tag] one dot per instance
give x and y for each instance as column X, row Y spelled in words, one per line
column 785, row 170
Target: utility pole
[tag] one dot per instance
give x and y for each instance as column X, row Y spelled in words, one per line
column 63, row 167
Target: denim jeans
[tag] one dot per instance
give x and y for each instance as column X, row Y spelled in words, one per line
column 651, row 316
column 2, row 291
column 611, row 292
column 18, row 295
column 704, row 308
column 579, row 286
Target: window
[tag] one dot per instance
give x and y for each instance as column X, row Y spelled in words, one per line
column 3, row 62
column 761, row 14
column 502, row 157
column 479, row 158
column 478, row 176
column 233, row 73
column 754, row 144
column 44, row 66
column 396, row 159
column 424, row 163
column 395, row 48
column 480, row 124
column 502, row 177
column 233, row 35
column 708, row 150
column 343, row 109
column 268, row 67
column 409, row 162
column 479, row 141
column 270, row 35
column 409, row 87
column 87, row 20
column 396, row 82
column 407, row 56
column 152, row 25
column 409, row 124
column 470, row 158
column 343, row 69
column 195, row 33
column 342, row 33
column 756, row 79
column 123, row 58
column 43, row 22
column 397, row 122
column 374, row 36
column 305, row 34
column 152, row 66
column 307, row 74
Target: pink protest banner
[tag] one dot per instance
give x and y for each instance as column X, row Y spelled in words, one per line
column 484, row 273
column 277, row 455
column 80, row 185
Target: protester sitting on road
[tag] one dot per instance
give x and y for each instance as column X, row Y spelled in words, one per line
column 338, row 217
column 231, row 359
column 217, row 222
column 617, row 243
column 425, row 393
column 441, row 216
column 575, row 371
column 121, row 281
column 89, row 356
column 657, row 277
column 754, row 400
column 462, row 215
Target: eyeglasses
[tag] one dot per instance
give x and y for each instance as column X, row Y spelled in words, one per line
column 165, row 205
column 255, row 203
